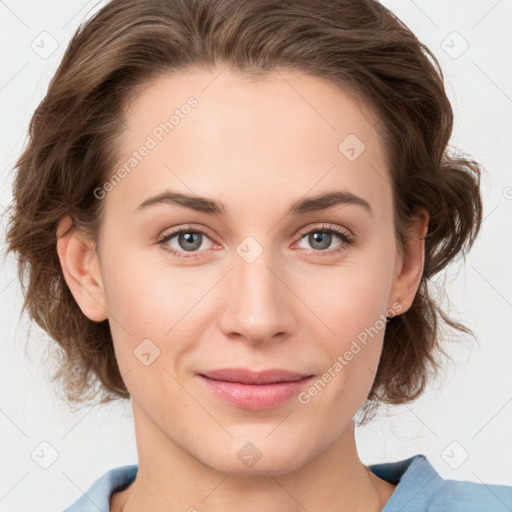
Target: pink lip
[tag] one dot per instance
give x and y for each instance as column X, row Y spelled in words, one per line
column 255, row 390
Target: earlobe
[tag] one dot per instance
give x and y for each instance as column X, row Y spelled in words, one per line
column 80, row 266
column 410, row 264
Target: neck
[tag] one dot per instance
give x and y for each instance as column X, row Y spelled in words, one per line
column 169, row 479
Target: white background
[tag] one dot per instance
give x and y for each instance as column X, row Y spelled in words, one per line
column 466, row 413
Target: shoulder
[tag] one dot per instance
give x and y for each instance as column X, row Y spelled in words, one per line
column 421, row 488
column 97, row 497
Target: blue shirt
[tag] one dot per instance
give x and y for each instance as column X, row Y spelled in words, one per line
column 420, row 488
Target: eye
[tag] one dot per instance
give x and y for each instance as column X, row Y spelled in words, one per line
column 187, row 240
column 320, row 238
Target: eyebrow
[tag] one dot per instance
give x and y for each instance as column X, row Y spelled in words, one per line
column 302, row 206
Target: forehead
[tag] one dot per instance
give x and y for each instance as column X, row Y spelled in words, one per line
column 247, row 137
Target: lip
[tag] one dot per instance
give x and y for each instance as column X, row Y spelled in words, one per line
column 255, row 390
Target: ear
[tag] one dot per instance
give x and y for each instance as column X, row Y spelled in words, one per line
column 81, row 269
column 409, row 264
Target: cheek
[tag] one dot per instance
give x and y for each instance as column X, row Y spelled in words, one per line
column 351, row 355
column 354, row 306
column 356, row 295
column 149, row 299
column 159, row 303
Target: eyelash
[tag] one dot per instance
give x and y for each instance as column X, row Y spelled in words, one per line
column 346, row 239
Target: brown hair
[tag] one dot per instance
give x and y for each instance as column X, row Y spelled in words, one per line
column 356, row 44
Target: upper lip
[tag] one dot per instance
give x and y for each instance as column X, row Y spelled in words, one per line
column 246, row 376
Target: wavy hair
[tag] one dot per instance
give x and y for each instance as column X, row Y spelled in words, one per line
column 359, row 45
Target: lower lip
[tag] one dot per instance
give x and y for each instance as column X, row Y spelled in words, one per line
column 256, row 396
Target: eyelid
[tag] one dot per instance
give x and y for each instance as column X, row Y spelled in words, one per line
column 327, row 227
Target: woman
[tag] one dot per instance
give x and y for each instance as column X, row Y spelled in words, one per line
column 229, row 212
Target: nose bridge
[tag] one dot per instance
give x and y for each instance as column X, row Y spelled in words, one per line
column 257, row 306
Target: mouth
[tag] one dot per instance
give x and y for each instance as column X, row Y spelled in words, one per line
column 246, row 389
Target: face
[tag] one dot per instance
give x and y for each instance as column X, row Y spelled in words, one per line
column 259, row 278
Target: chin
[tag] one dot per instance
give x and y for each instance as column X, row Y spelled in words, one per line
column 259, row 456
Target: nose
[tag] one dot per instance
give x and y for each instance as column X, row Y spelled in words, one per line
column 259, row 305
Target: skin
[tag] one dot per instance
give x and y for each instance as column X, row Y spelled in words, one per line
column 257, row 146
